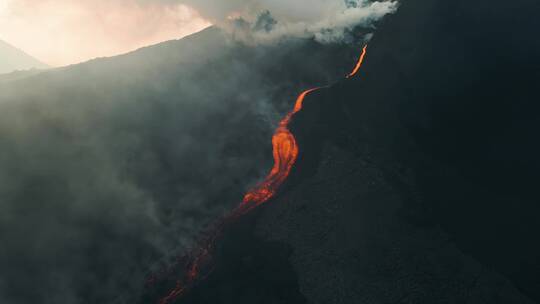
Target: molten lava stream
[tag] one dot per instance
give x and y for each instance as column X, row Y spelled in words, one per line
column 285, row 150
column 359, row 63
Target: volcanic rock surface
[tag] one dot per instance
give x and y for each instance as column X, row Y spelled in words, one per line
column 415, row 182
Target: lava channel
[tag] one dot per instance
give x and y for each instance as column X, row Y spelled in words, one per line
column 285, row 150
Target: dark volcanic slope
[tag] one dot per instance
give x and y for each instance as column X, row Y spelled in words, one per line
column 416, row 179
column 110, row 166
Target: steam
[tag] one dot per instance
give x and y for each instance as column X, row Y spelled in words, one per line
column 269, row 20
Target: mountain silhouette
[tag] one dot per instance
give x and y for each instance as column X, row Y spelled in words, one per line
column 13, row 59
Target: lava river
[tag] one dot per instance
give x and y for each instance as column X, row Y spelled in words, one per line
column 285, row 150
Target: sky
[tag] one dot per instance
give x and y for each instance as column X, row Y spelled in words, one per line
column 62, row 32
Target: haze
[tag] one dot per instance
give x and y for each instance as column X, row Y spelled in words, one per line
column 62, row 32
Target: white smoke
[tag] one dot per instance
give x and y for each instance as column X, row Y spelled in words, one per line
column 333, row 27
column 325, row 20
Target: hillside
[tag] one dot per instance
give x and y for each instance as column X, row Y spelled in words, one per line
column 416, row 178
column 119, row 162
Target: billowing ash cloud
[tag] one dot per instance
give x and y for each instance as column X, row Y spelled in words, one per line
column 326, row 20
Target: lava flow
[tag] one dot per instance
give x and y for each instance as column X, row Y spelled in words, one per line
column 285, row 150
column 359, row 63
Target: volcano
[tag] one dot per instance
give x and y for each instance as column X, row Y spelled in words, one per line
column 412, row 180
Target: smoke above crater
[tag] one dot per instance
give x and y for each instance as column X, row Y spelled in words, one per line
column 269, row 20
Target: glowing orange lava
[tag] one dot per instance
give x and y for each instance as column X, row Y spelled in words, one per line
column 359, row 63
column 285, row 150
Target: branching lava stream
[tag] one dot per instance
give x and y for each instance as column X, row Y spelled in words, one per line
column 285, row 150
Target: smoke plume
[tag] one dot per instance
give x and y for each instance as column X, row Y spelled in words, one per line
column 269, row 20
